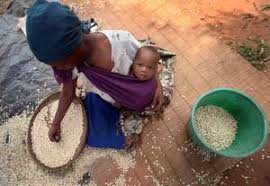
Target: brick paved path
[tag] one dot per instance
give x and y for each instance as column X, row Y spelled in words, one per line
column 203, row 63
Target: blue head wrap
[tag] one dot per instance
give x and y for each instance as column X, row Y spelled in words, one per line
column 53, row 31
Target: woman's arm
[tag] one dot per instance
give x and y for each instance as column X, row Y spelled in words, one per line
column 65, row 100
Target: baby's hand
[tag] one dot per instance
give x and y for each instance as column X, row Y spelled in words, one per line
column 159, row 68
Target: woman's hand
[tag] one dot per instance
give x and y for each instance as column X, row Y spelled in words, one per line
column 55, row 133
column 158, row 97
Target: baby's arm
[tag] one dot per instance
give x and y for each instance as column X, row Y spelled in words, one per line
column 159, row 69
column 158, row 97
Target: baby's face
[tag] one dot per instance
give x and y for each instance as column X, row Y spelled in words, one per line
column 145, row 65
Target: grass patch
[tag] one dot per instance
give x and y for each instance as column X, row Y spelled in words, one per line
column 254, row 50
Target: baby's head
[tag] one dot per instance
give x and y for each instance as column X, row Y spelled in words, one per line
column 145, row 64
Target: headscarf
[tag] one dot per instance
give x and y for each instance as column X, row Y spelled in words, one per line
column 53, row 31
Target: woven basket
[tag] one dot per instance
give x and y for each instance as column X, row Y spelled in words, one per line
column 47, row 101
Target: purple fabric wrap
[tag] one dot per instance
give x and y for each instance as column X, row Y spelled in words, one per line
column 128, row 91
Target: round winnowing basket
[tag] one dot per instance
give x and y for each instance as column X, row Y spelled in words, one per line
column 33, row 123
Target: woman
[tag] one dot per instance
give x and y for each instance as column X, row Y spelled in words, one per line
column 55, row 36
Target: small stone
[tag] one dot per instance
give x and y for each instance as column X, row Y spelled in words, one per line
column 237, row 165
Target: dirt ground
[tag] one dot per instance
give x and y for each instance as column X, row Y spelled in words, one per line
column 237, row 22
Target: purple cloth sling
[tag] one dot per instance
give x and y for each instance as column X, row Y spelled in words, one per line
column 128, row 91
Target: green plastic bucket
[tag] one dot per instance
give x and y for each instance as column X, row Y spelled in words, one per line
column 251, row 122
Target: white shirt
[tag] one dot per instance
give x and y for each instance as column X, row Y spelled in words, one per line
column 123, row 50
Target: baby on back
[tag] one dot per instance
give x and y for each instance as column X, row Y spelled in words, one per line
column 145, row 66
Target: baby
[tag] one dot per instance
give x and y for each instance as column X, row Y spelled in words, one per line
column 145, row 65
